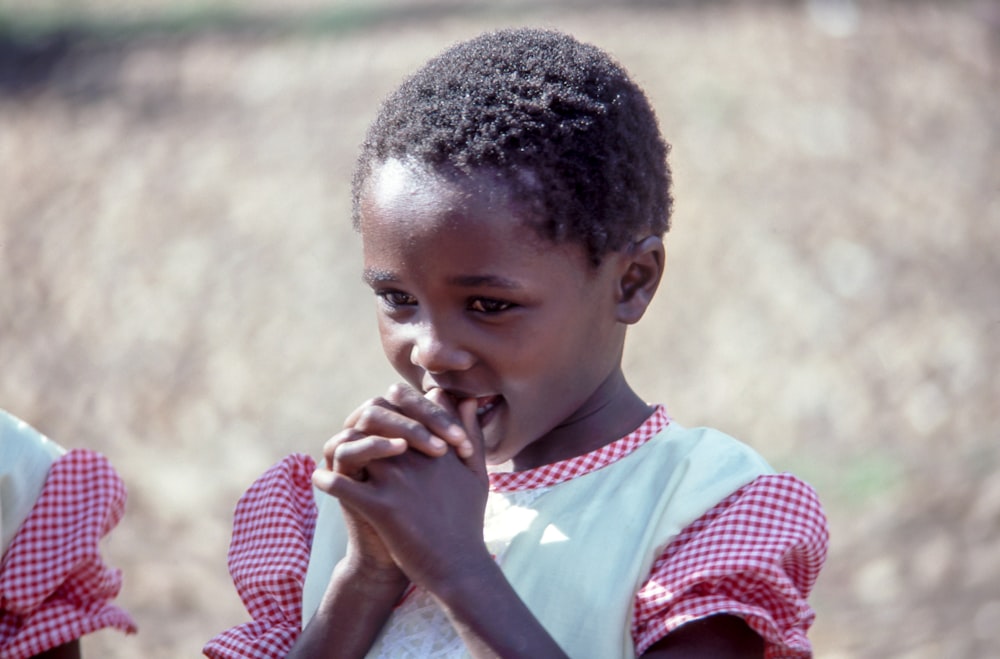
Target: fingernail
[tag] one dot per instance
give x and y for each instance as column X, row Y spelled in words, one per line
column 438, row 444
column 456, row 431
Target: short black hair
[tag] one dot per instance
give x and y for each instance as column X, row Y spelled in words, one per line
column 558, row 120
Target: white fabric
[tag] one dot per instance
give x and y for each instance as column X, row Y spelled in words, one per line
column 576, row 552
column 25, row 458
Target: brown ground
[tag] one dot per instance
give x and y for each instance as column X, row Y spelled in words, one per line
column 179, row 282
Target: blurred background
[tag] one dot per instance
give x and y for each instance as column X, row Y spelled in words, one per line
column 179, row 281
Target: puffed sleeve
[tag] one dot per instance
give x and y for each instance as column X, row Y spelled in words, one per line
column 756, row 555
column 268, row 557
column 54, row 586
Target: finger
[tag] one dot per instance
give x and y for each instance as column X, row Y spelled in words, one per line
column 352, row 418
column 470, row 420
column 330, row 446
column 362, row 498
column 352, row 458
column 464, row 447
column 437, row 413
column 349, row 491
column 383, row 422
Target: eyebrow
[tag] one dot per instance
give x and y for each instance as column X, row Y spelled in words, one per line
column 484, row 281
column 373, row 276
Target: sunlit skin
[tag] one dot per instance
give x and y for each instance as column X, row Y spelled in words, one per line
column 510, row 346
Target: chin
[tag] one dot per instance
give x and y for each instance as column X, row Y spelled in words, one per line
column 494, row 454
column 499, row 464
column 500, row 457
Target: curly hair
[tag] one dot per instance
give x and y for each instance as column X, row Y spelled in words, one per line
column 558, row 120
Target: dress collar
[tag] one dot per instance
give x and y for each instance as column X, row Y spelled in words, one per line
column 564, row 470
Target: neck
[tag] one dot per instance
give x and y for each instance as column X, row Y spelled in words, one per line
column 612, row 412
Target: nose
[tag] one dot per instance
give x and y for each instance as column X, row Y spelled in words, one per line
column 436, row 349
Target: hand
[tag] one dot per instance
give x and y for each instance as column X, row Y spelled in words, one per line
column 386, row 426
column 428, row 511
column 382, row 428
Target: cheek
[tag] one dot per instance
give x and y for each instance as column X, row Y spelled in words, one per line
column 576, row 354
column 394, row 344
column 541, row 361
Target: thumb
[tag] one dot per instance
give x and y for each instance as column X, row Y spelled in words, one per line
column 470, row 421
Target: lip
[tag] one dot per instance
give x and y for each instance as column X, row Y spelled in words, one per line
column 486, row 404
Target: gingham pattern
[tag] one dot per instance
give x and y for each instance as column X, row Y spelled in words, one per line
column 559, row 472
column 756, row 554
column 268, row 558
column 54, row 587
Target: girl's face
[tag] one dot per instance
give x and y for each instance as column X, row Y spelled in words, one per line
column 472, row 300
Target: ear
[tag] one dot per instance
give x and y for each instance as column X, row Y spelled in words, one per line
column 641, row 270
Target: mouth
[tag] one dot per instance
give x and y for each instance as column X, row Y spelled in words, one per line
column 486, row 404
column 487, row 409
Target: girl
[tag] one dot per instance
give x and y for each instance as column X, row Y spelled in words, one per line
column 54, row 508
column 515, row 497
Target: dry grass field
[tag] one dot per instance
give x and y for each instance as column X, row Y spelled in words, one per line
column 179, row 282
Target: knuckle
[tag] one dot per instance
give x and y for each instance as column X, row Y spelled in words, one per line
column 442, row 416
column 343, row 453
column 416, row 431
column 368, row 417
column 403, row 394
column 331, row 445
column 343, row 437
column 397, row 391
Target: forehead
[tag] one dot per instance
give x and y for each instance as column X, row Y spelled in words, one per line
column 410, row 188
column 406, row 205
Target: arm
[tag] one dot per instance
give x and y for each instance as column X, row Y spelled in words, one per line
column 716, row 637
column 490, row 617
column 69, row 650
column 765, row 544
column 356, row 605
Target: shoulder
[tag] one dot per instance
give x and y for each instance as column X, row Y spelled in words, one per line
column 46, row 490
column 25, row 459
column 708, row 444
column 81, row 501
column 777, row 510
column 273, row 527
column 54, row 585
column 690, row 470
column 290, row 479
column 279, row 505
column 756, row 554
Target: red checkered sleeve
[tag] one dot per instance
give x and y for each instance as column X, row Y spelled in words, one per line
column 268, row 557
column 756, row 555
column 54, row 586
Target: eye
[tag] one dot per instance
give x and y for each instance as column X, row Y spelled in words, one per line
column 396, row 299
column 489, row 305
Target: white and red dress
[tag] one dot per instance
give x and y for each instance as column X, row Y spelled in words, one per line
column 55, row 506
column 611, row 550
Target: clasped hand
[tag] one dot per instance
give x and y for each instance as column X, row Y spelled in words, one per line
column 410, row 475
